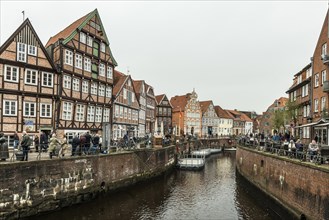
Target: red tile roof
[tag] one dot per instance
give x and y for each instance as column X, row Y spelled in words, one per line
column 67, row 31
column 205, row 105
column 245, row 117
column 222, row 113
column 119, row 80
column 137, row 86
column 234, row 114
column 158, row 98
column 179, row 102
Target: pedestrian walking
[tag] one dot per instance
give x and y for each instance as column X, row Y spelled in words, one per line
column 36, row 143
column 64, row 147
column 16, row 140
column 53, row 145
column 75, row 145
column 43, row 142
column 25, row 144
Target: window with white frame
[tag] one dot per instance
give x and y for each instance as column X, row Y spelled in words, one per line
column 47, row 79
column 91, row 113
column 295, row 95
column 109, row 72
column 93, row 89
column 85, row 86
column 129, row 114
column 45, row 110
column 324, row 49
column 29, row 109
column 299, row 79
column 67, row 111
column 102, row 69
column 78, row 61
column 67, row 82
column 323, row 76
column 316, row 80
column 32, row 50
column 108, row 91
column 10, row 108
column 309, row 72
column 101, row 90
column 11, row 73
column 305, row 111
column 125, row 115
column 117, row 110
column 89, row 41
column 106, row 115
column 306, row 132
column 323, row 103
column 98, row 116
column 316, row 105
column 76, row 84
column 69, row 57
column 103, row 47
column 31, row 76
column 87, row 64
column 21, row 52
column 124, row 93
column 82, row 37
column 308, row 110
column 121, row 112
column 305, row 90
column 79, row 112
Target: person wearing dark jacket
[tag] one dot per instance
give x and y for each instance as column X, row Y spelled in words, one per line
column 43, row 142
column 75, row 144
column 82, row 144
column 25, row 145
column 88, row 141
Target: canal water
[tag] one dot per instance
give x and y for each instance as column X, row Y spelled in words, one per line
column 213, row 193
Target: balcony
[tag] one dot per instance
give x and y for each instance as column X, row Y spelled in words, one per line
column 325, row 59
column 325, row 86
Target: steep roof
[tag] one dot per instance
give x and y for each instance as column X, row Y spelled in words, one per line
column 279, row 103
column 159, row 98
column 245, row 117
column 137, row 86
column 25, row 23
column 179, row 102
column 119, row 80
column 70, row 31
column 205, row 105
column 221, row 113
column 234, row 114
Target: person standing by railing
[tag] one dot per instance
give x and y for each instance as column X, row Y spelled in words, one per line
column 53, row 145
column 313, row 149
column 75, row 144
column 16, row 140
column 26, row 143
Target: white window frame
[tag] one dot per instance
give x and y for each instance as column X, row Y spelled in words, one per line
column 78, row 61
column 102, row 47
column 68, row 57
column 76, row 84
column 67, row 82
column 12, row 104
column 299, row 79
column 27, row 109
column 109, row 72
column 85, row 86
column 12, row 79
column 47, row 113
column 124, row 93
column 305, row 90
column 47, row 75
column 323, row 76
column 67, row 111
column 32, row 50
column 79, row 112
column 21, row 52
column 93, row 88
column 101, row 90
column 98, row 114
column 91, row 113
column 83, row 37
column 316, row 105
column 106, row 115
column 324, row 49
column 102, row 69
column 323, row 103
column 87, row 64
column 108, row 91
column 31, row 72
column 316, row 80
column 308, row 73
column 89, row 41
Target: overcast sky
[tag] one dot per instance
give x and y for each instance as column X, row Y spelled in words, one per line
column 240, row 54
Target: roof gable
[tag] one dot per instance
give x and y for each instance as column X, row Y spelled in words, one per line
column 205, row 106
column 26, row 34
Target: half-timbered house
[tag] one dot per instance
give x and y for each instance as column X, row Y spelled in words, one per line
column 126, row 107
column 209, row 118
column 84, row 57
column 163, row 114
column 150, row 110
column 139, row 86
column 28, row 84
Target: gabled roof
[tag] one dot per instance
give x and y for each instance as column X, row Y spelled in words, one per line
column 234, row 114
column 279, row 103
column 245, row 117
column 205, row 105
column 137, row 86
column 119, row 81
column 70, row 31
column 179, row 102
column 159, row 98
column 11, row 38
column 221, row 113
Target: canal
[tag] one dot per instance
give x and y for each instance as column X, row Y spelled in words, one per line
column 213, row 193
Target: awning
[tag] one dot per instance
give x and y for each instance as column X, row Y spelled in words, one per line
column 307, row 125
column 322, row 125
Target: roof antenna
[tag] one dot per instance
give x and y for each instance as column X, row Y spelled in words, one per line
column 23, row 12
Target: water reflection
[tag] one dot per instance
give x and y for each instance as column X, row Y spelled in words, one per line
column 214, row 193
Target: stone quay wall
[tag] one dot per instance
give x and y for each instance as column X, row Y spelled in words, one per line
column 300, row 187
column 30, row 188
